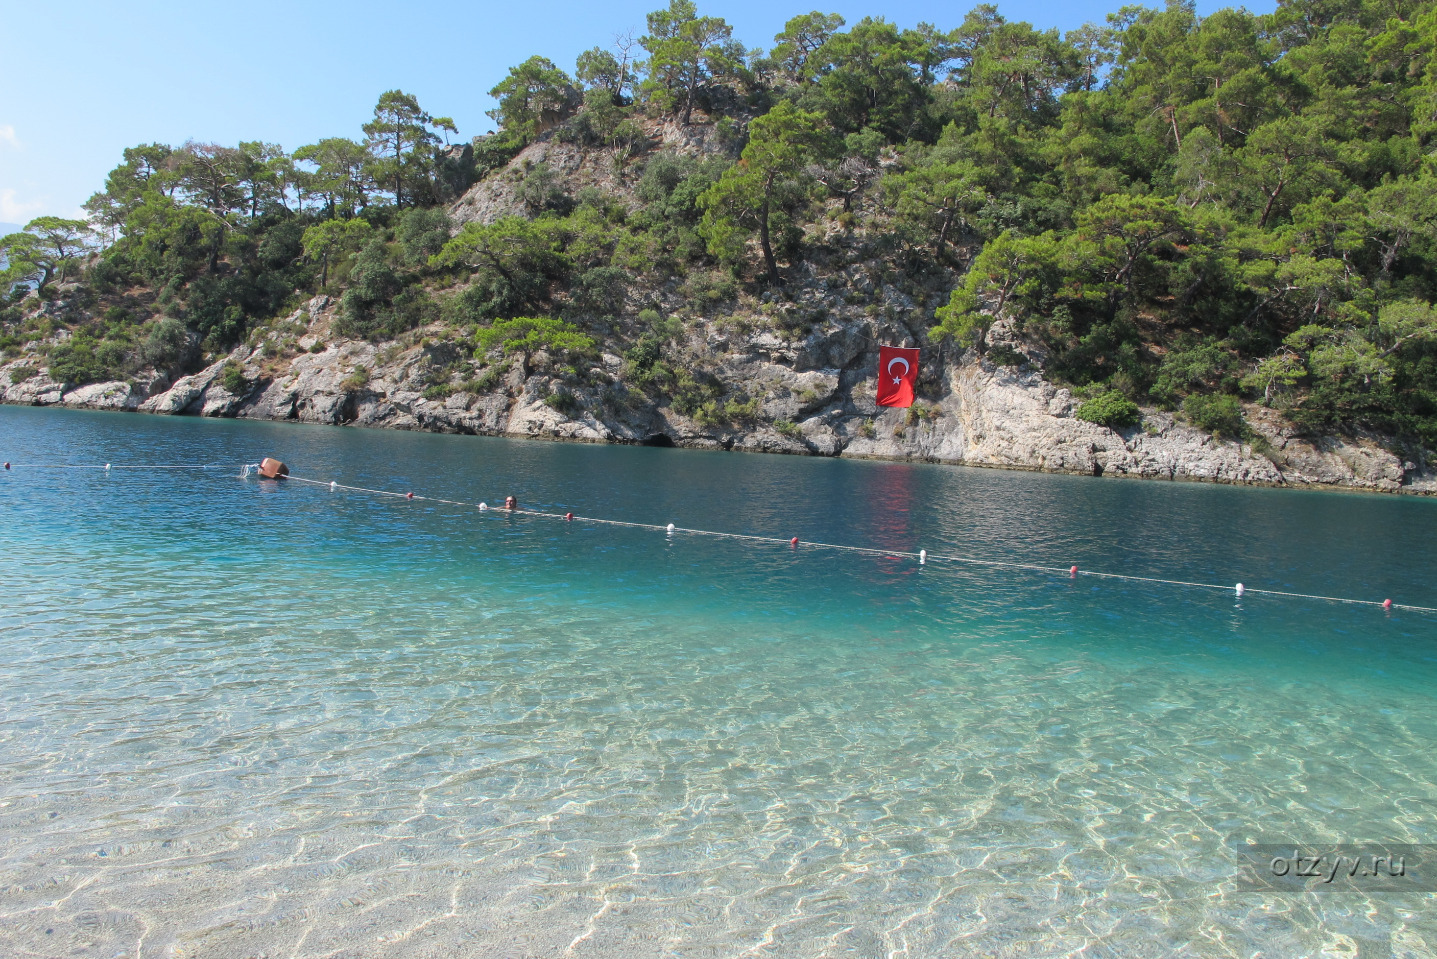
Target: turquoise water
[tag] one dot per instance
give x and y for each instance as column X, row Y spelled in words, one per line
column 242, row 719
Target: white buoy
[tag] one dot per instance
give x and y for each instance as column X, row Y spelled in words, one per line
column 107, row 467
column 1239, row 589
column 332, row 486
column 922, row 557
column 670, row 529
column 483, row 505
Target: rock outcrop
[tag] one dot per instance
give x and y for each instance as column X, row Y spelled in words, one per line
column 781, row 372
column 812, row 395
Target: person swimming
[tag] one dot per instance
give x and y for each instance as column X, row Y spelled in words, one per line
column 511, row 503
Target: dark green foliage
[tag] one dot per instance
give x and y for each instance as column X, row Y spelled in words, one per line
column 380, row 303
column 672, row 184
column 493, row 151
column 1098, row 349
column 1219, row 415
column 1005, row 355
column 422, row 233
column 1110, row 408
column 873, row 77
column 232, row 378
column 542, row 192
column 168, row 344
column 1204, row 365
column 564, row 401
column 601, row 289
column 357, row 380
column 81, row 360
column 515, row 264
column 485, row 382
column 437, row 391
column 534, row 96
column 604, row 122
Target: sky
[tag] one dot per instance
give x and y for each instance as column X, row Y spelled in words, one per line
column 82, row 80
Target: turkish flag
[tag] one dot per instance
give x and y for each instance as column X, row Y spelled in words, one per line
column 897, row 375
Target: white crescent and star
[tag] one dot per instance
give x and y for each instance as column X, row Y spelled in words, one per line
column 906, row 367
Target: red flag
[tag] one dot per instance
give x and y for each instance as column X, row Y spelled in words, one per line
column 897, row 375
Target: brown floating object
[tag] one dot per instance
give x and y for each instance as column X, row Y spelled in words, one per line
column 272, row 469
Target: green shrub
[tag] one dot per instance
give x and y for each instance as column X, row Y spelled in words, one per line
column 167, row 344
column 528, row 334
column 378, row 305
column 484, row 383
column 542, row 191
column 495, row 150
column 709, row 287
column 357, row 380
column 19, row 374
column 920, row 411
column 1111, row 409
column 601, row 289
column 742, row 412
column 563, row 401
column 1219, row 415
column 82, row 361
column 719, row 413
column 422, row 233
column 232, row 378
column 1005, row 355
column 1192, row 366
column 787, row 428
column 438, row 391
column 689, row 389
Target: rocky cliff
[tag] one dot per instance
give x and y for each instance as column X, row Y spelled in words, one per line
column 814, row 395
column 789, row 371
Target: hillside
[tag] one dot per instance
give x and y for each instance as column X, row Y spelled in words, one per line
column 1170, row 246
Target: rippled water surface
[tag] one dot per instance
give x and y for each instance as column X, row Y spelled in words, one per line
column 247, row 719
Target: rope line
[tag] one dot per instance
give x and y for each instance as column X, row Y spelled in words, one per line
column 921, row 555
column 245, row 470
column 111, row 466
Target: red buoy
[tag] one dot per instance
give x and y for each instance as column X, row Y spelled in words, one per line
column 272, row 468
column 1073, row 572
column 793, row 542
column 408, row 495
column 569, row 516
column 1387, row 604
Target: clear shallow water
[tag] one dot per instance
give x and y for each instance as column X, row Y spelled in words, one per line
column 242, row 719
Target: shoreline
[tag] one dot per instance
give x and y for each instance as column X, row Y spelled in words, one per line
column 710, row 445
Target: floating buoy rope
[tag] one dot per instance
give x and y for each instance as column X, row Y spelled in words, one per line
column 106, row 467
column 275, row 470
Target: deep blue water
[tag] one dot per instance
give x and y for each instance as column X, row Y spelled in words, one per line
column 244, row 717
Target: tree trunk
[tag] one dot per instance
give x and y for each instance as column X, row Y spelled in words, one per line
column 1271, row 199
column 398, row 170
column 948, row 215
column 689, row 98
column 768, row 259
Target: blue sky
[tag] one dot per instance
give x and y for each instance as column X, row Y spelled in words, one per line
column 80, row 81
